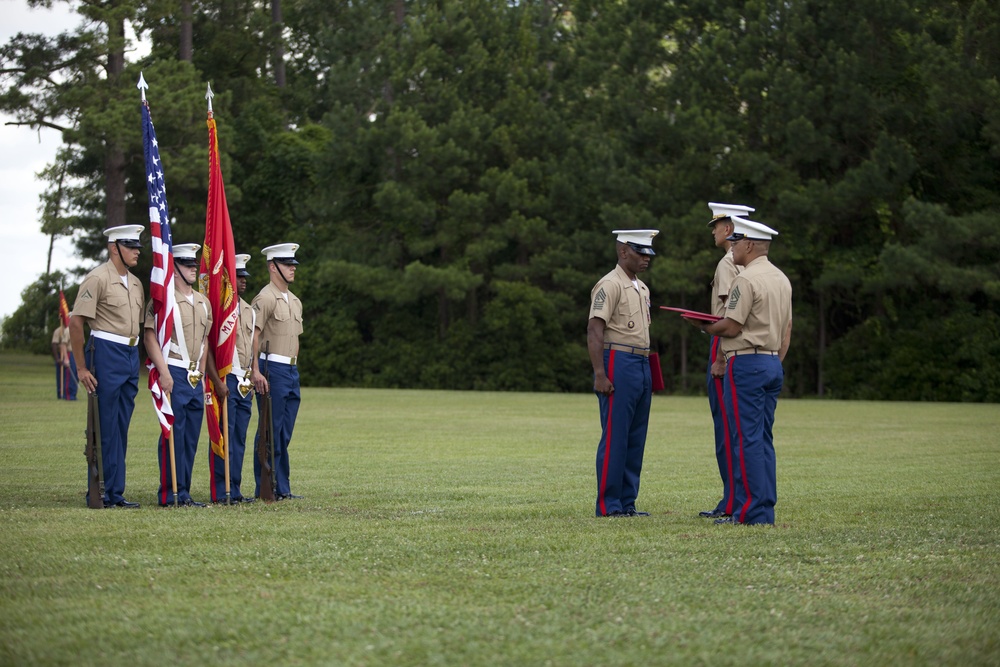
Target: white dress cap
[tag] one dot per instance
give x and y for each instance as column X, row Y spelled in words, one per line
column 720, row 211
column 641, row 240
column 186, row 253
column 127, row 235
column 752, row 230
column 283, row 253
column 241, row 265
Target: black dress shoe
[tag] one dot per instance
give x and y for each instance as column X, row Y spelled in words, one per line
column 123, row 504
column 635, row 512
column 192, row 503
column 247, row 499
column 292, row 496
column 713, row 514
column 725, row 519
column 616, row 513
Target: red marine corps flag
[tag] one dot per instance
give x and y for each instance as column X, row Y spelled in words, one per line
column 63, row 309
column 217, row 282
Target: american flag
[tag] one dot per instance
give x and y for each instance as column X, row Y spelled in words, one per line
column 161, row 279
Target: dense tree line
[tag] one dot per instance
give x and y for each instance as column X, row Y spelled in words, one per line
column 452, row 170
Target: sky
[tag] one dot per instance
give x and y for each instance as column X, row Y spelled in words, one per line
column 23, row 153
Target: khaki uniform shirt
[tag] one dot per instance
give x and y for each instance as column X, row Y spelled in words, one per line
column 60, row 336
column 725, row 273
column 761, row 300
column 195, row 317
column 280, row 323
column 108, row 304
column 624, row 309
column 244, row 335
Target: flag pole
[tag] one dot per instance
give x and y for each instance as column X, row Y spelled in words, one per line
column 173, row 459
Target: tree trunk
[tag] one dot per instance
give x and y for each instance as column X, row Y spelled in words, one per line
column 399, row 13
column 114, row 157
column 821, row 345
column 187, row 32
column 684, row 360
column 278, row 57
column 48, row 262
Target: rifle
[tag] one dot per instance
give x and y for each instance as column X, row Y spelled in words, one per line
column 265, row 439
column 92, row 449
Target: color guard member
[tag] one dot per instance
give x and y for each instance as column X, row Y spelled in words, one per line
column 62, row 353
column 277, row 329
column 110, row 302
column 181, row 374
column 237, row 390
column 726, row 271
column 757, row 331
column 618, row 343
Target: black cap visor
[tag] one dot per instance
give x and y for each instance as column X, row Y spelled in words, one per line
column 641, row 249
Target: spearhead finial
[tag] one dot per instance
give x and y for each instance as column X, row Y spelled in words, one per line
column 142, row 86
column 208, row 96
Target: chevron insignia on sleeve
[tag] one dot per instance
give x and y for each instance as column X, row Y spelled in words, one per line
column 599, row 299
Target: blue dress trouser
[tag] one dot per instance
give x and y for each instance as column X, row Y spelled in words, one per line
column 624, row 420
column 753, row 382
column 723, row 441
column 116, row 368
column 283, row 380
column 188, row 404
column 239, row 419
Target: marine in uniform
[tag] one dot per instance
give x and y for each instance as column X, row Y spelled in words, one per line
column 181, row 374
column 756, row 333
column 62, row 353
column 618, row 343
column 726, row 271
column 110, row 303
column 237, row 391
column 276, row 344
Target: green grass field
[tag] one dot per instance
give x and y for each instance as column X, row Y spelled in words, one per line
column 448, row 528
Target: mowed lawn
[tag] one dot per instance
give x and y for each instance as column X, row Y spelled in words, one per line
column 452, row 528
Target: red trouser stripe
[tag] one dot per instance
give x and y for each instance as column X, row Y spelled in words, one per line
column 739, row 437
column 607, row 437
column 719, row 390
